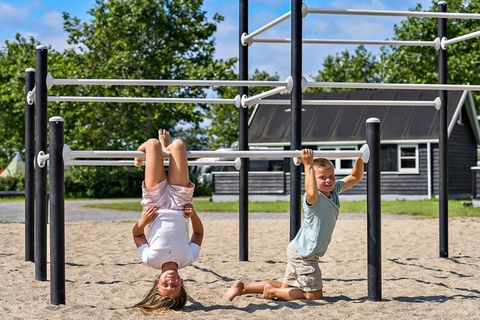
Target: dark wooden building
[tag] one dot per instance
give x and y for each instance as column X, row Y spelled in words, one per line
column 409, row 143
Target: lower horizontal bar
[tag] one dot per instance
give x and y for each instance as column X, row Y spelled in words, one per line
column 391, row 13
column 142, row 100
column 373, row 103
column 126, row 163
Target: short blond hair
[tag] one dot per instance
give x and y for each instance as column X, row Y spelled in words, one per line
column 323, row 163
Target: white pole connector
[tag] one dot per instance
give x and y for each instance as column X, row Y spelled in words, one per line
column 245, row 40
column 42, row 159
column 290, row 83
column 304, row 10
column 365, row 150
column 49, row 81
column 31, row 96
column 438, row 103
column 297, row 161
column 238, row 163
column 238, row 101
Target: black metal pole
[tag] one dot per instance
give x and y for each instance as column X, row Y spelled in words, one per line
column 57, row 212
column 443, row 137
column 374, row 235
column 296, row 116
column 41, row 173
column 29, row 168
column 243, row 137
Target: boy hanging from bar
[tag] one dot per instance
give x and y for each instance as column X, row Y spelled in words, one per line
column 303, row 278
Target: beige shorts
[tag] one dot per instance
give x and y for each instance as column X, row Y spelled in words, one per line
column 167, row 196
column 303, row 273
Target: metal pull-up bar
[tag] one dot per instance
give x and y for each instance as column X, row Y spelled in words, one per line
column 126, row 163
column 401, row 86
column 392, row 13
column 364, row 153
column 347, row 41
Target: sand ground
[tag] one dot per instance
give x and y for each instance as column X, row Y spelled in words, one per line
column 104, row 275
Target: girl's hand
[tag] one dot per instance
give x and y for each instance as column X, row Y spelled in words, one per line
column 188, row 210
column 148, row 215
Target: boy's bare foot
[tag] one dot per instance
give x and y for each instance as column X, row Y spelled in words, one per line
column 268, row 291
column 164, row 137
column 234, row 291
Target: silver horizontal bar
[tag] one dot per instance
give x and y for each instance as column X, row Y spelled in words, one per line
column 390, row 13
column 406, row 86
column 346, row 41
column 77, row 154
column 139, row 100
column 124, row 163
column 187, row 83
column 379, row 103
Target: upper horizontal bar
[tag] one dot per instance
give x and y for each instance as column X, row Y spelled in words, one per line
column 375, row 103
column 390, row 13
column 344, row 41
column 186, row 83
column 247, row 37
column 141, row 100
column 405, row 86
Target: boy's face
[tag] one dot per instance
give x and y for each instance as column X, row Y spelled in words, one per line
column 325, row 178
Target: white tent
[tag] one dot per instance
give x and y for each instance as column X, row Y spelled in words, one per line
column 16, row 165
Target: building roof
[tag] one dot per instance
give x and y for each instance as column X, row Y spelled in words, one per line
column 270, row 125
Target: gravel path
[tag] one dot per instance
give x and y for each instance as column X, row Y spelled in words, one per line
column 75, row 211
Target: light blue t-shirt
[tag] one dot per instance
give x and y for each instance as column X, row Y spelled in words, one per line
column 319, row 220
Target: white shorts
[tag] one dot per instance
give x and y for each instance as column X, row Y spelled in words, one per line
column 167, row 196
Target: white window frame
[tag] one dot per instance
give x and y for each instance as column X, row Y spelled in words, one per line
column 337, row 162
column 399, row 159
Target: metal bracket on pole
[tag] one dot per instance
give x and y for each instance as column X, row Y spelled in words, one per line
column 438, row 103
column 49, row 81
column 443, row 43
column 238, row 163
column 365, row 150
column 246, row 41
column 42, row 159
column 31, row 96
column 238, row 101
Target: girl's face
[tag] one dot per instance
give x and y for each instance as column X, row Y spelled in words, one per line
column 169, row 284
column 325, row 178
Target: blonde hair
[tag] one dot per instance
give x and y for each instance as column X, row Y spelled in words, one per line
column 323, row 163
column 156, row 303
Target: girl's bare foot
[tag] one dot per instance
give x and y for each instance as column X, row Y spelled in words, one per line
column 164, row 138
column 235, row 290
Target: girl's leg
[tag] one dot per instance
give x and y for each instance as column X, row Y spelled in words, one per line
column 154, row 169
column 178, row 161
column 290, row 293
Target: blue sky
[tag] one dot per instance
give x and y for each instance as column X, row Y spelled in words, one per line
column 43, row 20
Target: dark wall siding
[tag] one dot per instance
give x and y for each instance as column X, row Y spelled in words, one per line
column 462, row 154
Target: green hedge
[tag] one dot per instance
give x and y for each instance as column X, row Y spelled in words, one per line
column 12, row 183
column 100, row 182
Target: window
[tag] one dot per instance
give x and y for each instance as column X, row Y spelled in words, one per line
column 408, row 158
column 342, row 166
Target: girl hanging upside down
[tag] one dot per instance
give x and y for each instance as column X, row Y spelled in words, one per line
column 167, row 210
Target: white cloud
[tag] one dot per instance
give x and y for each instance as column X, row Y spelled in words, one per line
column 54, row 20
column 10, row 14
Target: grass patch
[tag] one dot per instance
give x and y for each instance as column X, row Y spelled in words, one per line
column 423, row 208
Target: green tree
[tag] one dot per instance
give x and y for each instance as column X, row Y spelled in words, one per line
column 138, row 39
column 361, row 66
column 419, row 64
column 223, row 129
column 16, row 56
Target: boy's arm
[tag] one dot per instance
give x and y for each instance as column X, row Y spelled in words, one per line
column 310, row 184
column 355, row 176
